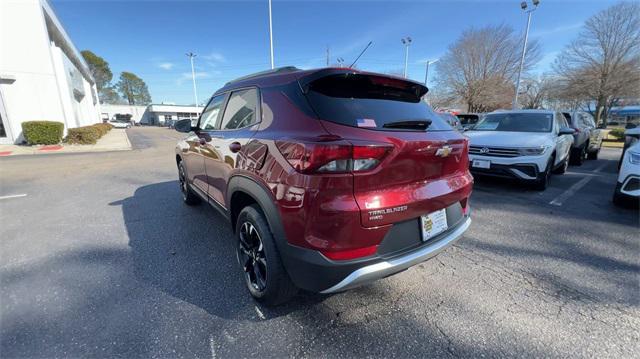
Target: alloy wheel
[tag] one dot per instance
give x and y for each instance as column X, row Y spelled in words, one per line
column 251, row 257
column 183, row 181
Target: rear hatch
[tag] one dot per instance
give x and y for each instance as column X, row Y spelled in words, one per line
column 426, row 166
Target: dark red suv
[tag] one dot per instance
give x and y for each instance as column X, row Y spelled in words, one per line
column 331, row 178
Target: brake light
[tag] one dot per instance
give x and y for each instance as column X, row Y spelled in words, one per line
column 332, row 157
column 576, row 129
column 350, row 253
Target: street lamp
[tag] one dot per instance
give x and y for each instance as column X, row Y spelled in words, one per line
column 426, row 74
column 191, row 55
column 271, row 35
column 524, row 6
column 406, row 41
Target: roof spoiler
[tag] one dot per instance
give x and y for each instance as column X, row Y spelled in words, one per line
column 306, row 79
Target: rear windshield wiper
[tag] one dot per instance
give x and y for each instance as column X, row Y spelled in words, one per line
column 417, row 125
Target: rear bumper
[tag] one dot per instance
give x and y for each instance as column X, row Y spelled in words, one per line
column 388, row 267
column 312, row 271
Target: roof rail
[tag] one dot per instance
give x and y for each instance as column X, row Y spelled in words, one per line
column 264, row 73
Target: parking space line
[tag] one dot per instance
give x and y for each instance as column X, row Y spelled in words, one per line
column 13, row 196
column 558, row 201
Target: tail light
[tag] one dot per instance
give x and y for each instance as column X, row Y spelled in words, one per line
column 576, row 129
column 333, row 157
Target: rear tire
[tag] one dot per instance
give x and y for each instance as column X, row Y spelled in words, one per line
column 188, row 196
column 258, row 257
column 593, row 155
column 578, row 155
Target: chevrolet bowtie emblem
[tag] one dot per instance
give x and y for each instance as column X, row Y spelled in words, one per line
column 443, row 151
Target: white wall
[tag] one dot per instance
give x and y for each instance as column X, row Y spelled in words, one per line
column 34, row 93
column 32, row 72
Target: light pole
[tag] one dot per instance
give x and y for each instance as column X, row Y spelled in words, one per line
column 191, row 55
column 271, row 36
column 406, row 41
column 523, row 6
column 426, row 74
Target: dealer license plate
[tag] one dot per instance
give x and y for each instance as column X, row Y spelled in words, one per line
column 481, row 164
column 433, row 224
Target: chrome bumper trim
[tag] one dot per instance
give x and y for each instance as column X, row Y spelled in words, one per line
column 387, row 268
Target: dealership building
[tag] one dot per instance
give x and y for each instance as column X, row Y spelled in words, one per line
column 151, row 115
column 42, row 74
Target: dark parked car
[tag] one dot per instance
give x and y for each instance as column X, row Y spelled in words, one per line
column 468, row 120
column 330, row 178
column 587, row 139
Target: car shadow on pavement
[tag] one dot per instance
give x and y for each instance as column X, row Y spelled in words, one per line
column 188, row 252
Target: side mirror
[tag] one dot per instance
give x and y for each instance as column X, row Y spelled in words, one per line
column 566, row 131
column 183, row 126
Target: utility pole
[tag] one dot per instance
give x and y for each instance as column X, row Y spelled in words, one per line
column 191, row 55
column 426, row 74
column 406, row 41
column 271, row 36
column 523, row 6
column 328, row 55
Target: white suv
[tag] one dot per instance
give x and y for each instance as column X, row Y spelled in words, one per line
column 523, row 144
column 628, row 187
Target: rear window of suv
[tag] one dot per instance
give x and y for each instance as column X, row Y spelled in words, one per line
column 369, row 101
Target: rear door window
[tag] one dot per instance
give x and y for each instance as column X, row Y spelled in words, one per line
column 371, row 102
column 241, row 110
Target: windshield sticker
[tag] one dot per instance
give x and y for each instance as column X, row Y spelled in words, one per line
column 366, row 122
column 487, row 125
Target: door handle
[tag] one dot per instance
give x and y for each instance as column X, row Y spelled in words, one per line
column 235, row 146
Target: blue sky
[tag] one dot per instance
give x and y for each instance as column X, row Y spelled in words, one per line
column 150, row 38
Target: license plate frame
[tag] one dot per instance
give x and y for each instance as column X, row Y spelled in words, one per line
column 432, row 224
column 484, row 164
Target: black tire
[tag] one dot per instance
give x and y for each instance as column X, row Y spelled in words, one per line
column 263, row 270
column 543, row 177
column 578, row 155
column 618, row 200
column 593, row 155
column 188, row 196
column 563, row 167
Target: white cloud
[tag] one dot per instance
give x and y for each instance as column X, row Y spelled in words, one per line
column 165, row 65
column 215, row 57
column 558, row 29
column 186, row 76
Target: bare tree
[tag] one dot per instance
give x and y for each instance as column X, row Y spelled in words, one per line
column 602, row 64
column 536, row 92
column 480, row 67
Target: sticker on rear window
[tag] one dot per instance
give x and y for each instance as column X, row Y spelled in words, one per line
column 366, row 122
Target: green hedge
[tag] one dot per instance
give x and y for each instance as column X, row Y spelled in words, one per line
column 87, row 135
column 618, row 133
column 42, row 132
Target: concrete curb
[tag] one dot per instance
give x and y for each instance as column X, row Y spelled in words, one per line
column 111, row 142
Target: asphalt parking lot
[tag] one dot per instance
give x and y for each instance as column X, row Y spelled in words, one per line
column 102, row 259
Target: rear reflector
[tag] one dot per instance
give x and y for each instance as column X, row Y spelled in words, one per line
column 333, row 156
column 351, row 253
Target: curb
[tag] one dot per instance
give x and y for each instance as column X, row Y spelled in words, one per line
column 60, row 149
